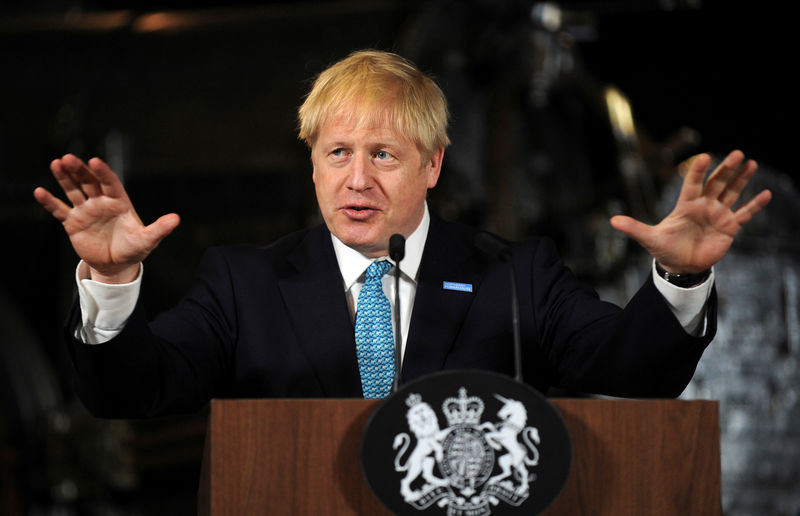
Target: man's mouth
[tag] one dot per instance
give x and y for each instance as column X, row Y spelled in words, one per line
column 359, row 212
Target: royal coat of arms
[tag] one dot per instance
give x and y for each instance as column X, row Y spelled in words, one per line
column 471, row 465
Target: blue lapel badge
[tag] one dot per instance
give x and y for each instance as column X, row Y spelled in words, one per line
column 461, row 287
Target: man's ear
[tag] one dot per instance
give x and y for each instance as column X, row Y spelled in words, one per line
column 434, row 167
column 313, row 167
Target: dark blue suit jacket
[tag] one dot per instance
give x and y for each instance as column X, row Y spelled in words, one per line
column 273, row 322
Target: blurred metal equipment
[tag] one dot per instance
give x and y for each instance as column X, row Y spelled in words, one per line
column 638, row 180
column 28, row 395
column 54, row 455
column 540, row 145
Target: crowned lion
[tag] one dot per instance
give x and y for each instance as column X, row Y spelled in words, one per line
column 423, row 423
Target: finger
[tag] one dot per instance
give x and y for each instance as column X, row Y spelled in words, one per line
column 693, row 182
column 739, row 182
column 51, row 203
column 718, row 179
column 756, row 204
column 68, row 185
column 82, row 175
column 638, row 231
column 108, row 181
column 159, row 229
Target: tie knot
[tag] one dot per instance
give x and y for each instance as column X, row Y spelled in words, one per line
column 376, row 270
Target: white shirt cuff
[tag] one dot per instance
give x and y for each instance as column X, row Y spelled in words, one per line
column 687, row 304
column 105, row 308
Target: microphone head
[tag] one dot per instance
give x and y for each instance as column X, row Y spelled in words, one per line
column 492, row 246
column 397, row 247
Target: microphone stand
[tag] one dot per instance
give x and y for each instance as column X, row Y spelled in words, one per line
column 397, row 251
column 515, row 320
column 492, row 246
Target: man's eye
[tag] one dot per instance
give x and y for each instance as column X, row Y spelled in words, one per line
column 337, row 152
column 382, row 155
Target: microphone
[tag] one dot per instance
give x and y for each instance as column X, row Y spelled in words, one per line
column 499, row 250
column 397, row 251
column 397, row 247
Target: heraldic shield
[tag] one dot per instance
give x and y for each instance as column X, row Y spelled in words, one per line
column 466, row 443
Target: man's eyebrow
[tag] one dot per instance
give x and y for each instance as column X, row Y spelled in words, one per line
column 384, row 143
column 390, row 141
column 335, row 143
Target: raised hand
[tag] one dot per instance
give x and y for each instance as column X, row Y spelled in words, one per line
column 701, row 228
column 102, row 225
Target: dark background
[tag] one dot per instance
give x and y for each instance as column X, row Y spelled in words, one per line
column 193, row 103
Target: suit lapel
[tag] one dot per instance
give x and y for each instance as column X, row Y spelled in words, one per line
column 439, row 313
column 316, row 303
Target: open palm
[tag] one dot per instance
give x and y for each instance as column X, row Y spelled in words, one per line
column 701, row 228
column 102, row 224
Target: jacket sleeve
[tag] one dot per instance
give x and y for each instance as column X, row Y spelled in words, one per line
column 174, row 364
column 593, row 346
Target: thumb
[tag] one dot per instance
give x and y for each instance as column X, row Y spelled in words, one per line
column 631, row 227
column 163, row 226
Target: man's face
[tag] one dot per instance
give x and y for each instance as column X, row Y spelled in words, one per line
column 370, row 184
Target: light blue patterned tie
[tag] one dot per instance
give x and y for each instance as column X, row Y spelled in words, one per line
column 374, row 339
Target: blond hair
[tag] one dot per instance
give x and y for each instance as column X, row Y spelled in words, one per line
column 372, row 88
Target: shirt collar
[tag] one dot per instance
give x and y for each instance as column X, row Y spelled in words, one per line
column 352, row 264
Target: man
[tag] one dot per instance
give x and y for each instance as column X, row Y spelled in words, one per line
column 286, row 320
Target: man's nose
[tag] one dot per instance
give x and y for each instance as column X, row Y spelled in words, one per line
column 360, row 177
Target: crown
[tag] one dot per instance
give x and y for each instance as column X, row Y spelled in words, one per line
column 463, row 410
